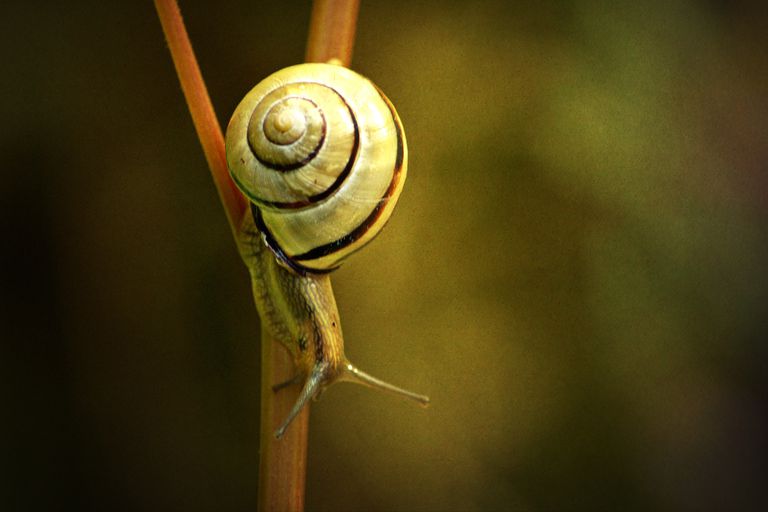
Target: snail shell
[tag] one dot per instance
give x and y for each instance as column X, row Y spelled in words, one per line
column 321, row 153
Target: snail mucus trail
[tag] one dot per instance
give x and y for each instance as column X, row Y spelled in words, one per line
column 320, row 153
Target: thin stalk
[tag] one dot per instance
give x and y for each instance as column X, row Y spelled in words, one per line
column 203, row 115
column 283, row 463
column 332, row 31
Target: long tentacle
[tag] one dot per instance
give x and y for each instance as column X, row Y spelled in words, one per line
column 354, row 374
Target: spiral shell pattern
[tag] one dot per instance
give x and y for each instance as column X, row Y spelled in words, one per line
column 321, row 153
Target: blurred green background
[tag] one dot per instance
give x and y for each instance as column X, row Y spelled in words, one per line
column 580, row 256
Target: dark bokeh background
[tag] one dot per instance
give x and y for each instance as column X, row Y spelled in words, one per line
column 580, row 256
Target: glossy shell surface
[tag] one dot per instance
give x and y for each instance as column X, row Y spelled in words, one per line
column 321, row 153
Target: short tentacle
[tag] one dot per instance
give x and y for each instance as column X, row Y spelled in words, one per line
column 290, row 382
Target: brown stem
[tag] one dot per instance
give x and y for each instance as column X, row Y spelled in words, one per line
column 332, row 30
column 283, row 462
column 203, row 116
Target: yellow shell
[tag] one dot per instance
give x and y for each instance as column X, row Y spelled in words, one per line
column 321, row 153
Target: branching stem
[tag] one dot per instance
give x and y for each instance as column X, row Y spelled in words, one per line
column 283, row 462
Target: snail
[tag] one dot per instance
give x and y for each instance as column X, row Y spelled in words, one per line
column 320, row 153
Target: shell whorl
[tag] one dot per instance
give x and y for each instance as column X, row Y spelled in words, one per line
column 321, row 153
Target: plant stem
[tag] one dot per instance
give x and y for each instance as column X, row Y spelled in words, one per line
column 203, row 115
column 283, row 463
column 332, row 31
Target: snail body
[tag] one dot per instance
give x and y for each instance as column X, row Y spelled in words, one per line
column 321, row 154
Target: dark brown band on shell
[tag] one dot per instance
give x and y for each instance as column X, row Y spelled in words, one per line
column 275, row 248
